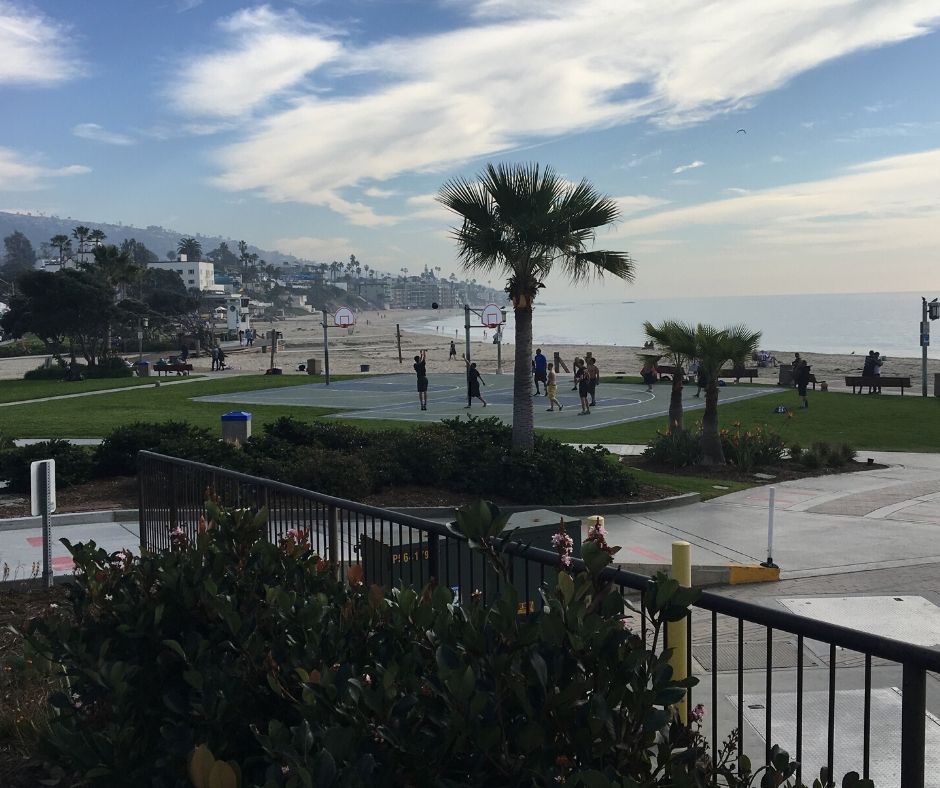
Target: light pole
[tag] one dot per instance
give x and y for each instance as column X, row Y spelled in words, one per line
column 929, row 311
column 142, row 323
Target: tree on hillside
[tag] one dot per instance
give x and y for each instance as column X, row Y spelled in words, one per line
column 70, row 307
column 80, row 233
column 19, row 254
column 165, row 294
column 116, row 267
column 191, row 248
column 63, row 244
column 223, row 257
column 714, row 348
column 522, row 222
column 137, row 252
column 677, row 342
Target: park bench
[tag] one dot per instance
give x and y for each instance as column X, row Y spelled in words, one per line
column 739, row 372
column 179, row 368
column 877, row 382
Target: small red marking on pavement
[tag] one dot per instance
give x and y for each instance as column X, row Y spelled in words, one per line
column 63, row 562
column 34, row 541
column 647, row 554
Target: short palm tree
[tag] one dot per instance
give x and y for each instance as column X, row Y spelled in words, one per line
column 677, row 342
column 714, row 348
column 80, row 234
column 96, row 236
column 61, row 242
column 521, row 222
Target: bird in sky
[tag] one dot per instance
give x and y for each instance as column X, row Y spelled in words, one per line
column 741, row 131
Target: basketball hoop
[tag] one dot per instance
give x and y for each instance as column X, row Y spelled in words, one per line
column 344, row 317
column 491, row 316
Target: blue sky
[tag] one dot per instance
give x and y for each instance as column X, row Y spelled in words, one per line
column 324, row 129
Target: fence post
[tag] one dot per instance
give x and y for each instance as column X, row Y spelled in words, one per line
column 174, row 512
column 913, row 721
column 434, row 558
column 677, row 631
column 141, row 517
column 333, row 536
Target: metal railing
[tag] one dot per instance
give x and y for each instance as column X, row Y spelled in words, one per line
column 393, row 547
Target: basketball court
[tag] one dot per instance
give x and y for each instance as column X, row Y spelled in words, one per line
column 395, row 397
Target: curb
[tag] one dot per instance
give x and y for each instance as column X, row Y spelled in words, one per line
column 704, row 576
column 72, row 518
column 581, row 510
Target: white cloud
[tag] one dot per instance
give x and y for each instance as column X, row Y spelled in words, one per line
column 182, row 6
column 637, row 203
column 314, row 248
column 20, row 174
column 92, row 131
column 267, row 54
column 34, row 48
column 737, row 190
column 692, row 165
column 637, row 161
column 776, row 159
column 901, row 129
column 382, row 194
column 519, row 73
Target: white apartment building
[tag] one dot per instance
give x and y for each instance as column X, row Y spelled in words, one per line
column 199, row 275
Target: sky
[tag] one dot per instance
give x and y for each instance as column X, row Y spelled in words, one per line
column 785, row 146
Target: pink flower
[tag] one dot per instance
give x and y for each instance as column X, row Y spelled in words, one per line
column 698, row 713
column 563, row 544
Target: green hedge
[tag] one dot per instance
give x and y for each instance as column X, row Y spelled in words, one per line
column 106, row 368
column 181, row 671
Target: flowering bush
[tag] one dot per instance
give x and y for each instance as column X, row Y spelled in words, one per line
column 675, row 449
column 749, row 449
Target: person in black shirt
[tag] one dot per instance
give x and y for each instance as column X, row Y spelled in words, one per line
column 473, row 382
column 421, row 371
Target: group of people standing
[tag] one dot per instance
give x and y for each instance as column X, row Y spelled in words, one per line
column 872, row 369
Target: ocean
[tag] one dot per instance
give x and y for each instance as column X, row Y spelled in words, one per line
column 825, row 323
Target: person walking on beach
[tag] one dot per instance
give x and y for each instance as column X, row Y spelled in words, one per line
column 539, row 369
column 551, row 388
column 474, row 380
column 801, row 376
column 453, row 351
column 421, row 371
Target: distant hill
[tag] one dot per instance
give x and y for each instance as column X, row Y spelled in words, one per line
column 159, row 240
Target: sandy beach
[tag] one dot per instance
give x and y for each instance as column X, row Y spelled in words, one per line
column 372, row 341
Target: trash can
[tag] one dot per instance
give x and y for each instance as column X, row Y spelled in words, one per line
column 142, row 368
column 313, row 366
column 785, row 375
column 236, row 427
column 936, row 384
column 363, row 367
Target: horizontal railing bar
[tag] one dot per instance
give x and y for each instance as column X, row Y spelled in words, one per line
column 812, row 629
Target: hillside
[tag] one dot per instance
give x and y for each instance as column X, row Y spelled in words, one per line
column 160, row 240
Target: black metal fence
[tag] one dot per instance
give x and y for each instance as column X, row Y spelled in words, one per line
column 721, row 631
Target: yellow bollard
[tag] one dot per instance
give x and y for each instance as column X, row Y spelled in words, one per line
column 677, row 630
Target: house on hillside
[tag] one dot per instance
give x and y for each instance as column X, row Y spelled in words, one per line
column 199, row 275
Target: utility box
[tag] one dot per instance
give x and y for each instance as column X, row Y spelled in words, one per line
column 142, row 368
column 236, row 427
column 404, row 556
column 314, row 367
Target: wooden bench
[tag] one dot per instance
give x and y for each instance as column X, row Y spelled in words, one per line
column 741, row 372
column 178, row 368
column 876, row 382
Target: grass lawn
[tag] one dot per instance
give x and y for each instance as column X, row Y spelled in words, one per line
column 96, row 416
column 683, row 484
column 16, row 390
column 888, row 423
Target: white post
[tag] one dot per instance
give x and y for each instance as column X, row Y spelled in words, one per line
column 770, row 530
column 924, row 342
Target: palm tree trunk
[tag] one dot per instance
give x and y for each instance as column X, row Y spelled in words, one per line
column 675, row 401
column 522, row 419
column 712, row 453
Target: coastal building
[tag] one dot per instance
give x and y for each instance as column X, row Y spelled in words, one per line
column 196, row 275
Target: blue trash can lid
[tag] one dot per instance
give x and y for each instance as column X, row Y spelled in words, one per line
column 236, row 415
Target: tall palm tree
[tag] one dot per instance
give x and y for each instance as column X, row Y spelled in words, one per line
column 677, row 341
column 60, row 242
column 80, row 234
column 522, row 222
column 96, row 236
column 191, row 248
column 714, row 348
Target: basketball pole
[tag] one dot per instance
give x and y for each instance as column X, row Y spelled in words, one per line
column 466, row 325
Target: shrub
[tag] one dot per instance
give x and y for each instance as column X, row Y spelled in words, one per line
column 53, row 371
column 847, row 452
column 73, row 464
column 796, row 452
column 117, row 453
column 329, row 435
column 297, row 679
column 675, row 449
column 823, row 455
column 27, row 346
column 111, row 367
column 748, row 449
column 341, row 474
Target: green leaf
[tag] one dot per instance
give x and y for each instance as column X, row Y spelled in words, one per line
column 174, row 646
column 591, row 778
column 566, row 586
column 540, row 668
column 324, row 769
